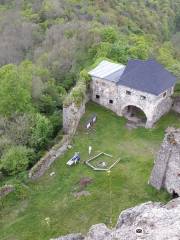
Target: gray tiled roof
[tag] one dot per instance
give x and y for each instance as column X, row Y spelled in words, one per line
column 147, row 76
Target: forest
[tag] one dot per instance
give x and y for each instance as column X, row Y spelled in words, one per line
column 46, row 44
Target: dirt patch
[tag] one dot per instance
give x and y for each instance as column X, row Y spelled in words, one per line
column 133, row 125
column 85, row 181
column 79, row 188
column 81, row 194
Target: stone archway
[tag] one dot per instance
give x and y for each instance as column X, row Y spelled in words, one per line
column 135, row 115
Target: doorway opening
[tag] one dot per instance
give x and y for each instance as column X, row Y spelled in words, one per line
column 135, row 116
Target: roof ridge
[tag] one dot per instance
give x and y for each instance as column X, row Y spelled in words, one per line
column 116, row 71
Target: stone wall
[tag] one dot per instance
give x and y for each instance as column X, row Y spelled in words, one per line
column 71, row 117
column 160, row 108
column 172, row 175
column 107, row 91
column 166, row 170
column 159, row 170
column 172, row 180
column 176, row 104
column 5, row 190
column 148, row 221
column 45, row 162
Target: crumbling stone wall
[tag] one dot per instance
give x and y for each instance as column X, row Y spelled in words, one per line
column 166, row 170
column 176, row 104
column 5, row 190
column 45, row 162
column 71, row 117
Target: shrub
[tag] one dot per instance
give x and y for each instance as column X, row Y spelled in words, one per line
column 5, row 142
column 78, row 93
column 177, row 89
column 51, row 99
column 46, row 104
column 41, row 132
column 15, row 90
column 15, row 159
column 56, row 121
column 109, row 34
column 18, row 128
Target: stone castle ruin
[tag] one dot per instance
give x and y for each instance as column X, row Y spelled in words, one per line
column 140, row 87
column 166, row 170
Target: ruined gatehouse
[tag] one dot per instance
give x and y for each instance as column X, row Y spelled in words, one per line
column 141, row 85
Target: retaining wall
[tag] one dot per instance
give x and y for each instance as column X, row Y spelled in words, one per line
column 72, row 115
column 5, row 190
column 44, row 163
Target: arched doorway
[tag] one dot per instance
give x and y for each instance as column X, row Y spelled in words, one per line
column 135, row 115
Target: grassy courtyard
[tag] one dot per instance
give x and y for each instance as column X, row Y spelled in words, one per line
column 50, row 209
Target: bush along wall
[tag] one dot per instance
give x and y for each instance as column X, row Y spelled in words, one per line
column 78, row 94
column 73, row 109
column 74, row 104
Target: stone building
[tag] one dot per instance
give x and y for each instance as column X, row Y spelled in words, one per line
column 141, row 85
column 166, row 170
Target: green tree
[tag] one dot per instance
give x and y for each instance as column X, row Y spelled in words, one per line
column 119, row 51
column 41, row 131
column 109, row 34
column 139, row 47
column 15, row 90
column 103, row 49
column 51, row 98
column 15, row 159
column 165, row 54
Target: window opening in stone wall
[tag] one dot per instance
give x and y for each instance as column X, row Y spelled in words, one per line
column 143, row 97
column 97, row 96
column 128, row 92
column 164, row 94
column 139, row 230
column 175, row 194
column 111, row 101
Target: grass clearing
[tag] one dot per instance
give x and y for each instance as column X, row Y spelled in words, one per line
column 52, row 197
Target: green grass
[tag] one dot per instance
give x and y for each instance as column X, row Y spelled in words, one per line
column 52, row 196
